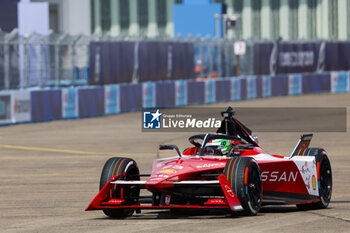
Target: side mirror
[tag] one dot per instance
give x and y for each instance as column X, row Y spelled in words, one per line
column 170, row 147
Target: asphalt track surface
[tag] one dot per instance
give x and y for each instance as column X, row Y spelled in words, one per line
column 49, row 172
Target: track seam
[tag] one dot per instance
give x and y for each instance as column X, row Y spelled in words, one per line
column 331, row 217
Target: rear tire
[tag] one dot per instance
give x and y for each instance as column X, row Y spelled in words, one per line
column 248, row 189
column 128, row 170
column 324, row 182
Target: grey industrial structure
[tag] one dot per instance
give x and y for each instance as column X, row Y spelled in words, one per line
column 266, row 19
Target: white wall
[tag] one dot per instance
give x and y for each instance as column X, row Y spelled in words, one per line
column 76, row 17
column 33, row 17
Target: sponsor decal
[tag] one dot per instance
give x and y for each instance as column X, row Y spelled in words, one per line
column 294, row 84
column 21, row 106
column 167, row 171
column 69, row 103
column 277, row 176
column 307, row 168
column 177, row 167
column 293, row 59
column 229, row 191
column 112, row 99
column 155, row 179
column 209, row 165
column 313, row 182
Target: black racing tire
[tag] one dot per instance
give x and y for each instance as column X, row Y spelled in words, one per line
column 128, row 170
column 250, row 193
column 324, row 181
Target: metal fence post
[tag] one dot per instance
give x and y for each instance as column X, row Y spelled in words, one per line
column 218, row 58
column 7, row 44
column 6, row 64
column 201, row 58
column 25, row 62
column 210, row 45
column 227, row 58
column 42, row 66
column 57, row 60
column 72, row 47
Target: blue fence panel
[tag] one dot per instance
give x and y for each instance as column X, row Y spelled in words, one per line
column 244, row 93
column 91, row 102
column 294, row 84
column 316, row 83
column 223, row 92
column 181, row 92
column 251, row 88
column 210, row 90
column 267, row 86
column 235, row 89
column 339, row 82
column 148, row 95
column 279, row 85
column 112, row 99
column 46, row 105
column 69, row 103
column 131, row 97
column 165, row 94
column 195, row 93
column 259, row 87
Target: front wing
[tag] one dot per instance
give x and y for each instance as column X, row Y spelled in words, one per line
column 102, row 200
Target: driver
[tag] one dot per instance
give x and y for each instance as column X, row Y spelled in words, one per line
column 218, row 147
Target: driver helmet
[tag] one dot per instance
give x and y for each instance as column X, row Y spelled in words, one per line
column 218, row 145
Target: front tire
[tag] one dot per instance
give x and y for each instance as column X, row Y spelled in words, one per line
column 243, row 174
column 128, row 170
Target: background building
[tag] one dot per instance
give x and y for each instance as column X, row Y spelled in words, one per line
column 292, row 19
column 258, row 19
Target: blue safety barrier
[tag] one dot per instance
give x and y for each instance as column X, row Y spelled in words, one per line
column 91, row 101
column 279, row 85
column 165, row 94
column 223, row 93
column 316, row 83
column 79, row 102
column 210, row 91
column 195, row 93
column 46, row 105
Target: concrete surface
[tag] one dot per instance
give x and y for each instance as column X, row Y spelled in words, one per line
column 49, row 172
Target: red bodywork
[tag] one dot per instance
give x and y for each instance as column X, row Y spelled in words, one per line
column 282, row 180
column 285, row 180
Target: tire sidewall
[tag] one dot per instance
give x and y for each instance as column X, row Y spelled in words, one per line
column 235, row 174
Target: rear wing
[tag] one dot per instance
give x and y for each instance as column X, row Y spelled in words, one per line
column 303, row 143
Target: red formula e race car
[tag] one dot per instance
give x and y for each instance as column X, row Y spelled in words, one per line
column 225, row 170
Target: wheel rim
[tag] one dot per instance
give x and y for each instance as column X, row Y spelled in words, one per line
column 325, row 180
column 254, row 187
column 132, row 192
